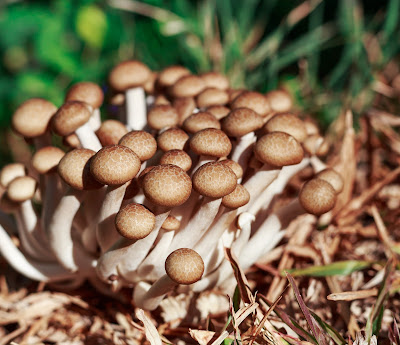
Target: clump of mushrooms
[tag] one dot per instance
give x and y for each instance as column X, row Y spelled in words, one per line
column 150, row 199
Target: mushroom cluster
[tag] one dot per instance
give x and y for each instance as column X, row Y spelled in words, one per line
column 150, row 199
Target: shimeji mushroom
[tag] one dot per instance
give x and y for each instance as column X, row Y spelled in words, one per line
column 110, row 132
column 74, row 171
column 165, row 187
column 130, row 77
column 31, row 120
column 133, row 222
column 183, row 266
column 113, row 166
column 96, row 215
column 213, row 181
column 241, row 124
column 45, row 162
column 73, row 117
column 92, row 95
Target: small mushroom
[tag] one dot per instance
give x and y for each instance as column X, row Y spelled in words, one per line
column 183, row 266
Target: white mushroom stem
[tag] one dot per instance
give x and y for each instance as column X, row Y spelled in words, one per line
column 186, row 237
column 222, row 221
column 269, row 233
column 88, row 138
column 148, row 296
column 259, row 181
column 244, row 149
column 52, row 195
column 185, row 211
column 106, row 233
column 60, row 228
column 317, row 164
column 197, row 225
column 32, row 240
column 95, row 120
column 136, row 109
column 160, row 250
column 125, row 255
column 91, row 207
column 276, row 187
column 30, row 268
column 224, row 270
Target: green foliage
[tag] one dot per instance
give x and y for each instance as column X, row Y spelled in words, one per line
column 317, row 49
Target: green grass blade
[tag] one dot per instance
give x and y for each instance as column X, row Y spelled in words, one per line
column 392, row 18
column 309, row 43
column 336, row 268
column 320, row 339
column 333, row 333
column 374, row 319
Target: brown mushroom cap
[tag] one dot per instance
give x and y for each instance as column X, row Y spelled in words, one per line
column 311, row 127
column 185, row 107
column 254, row 101
column 21, row 188
column 316, row 145
column 333, row 177
column 317, row 196
column 241, row 121
column 10, row 171
column 171, row 224
column 134, row 221
column 72, row 141
column 142, row 174
column 279, row 100
column 74, row 169
column 31, row 119
column 140, row 142
column 212, row 96
column 87, row 92
column 170, row 75
column 177, row 157
column 278, row 149
column 128, row 74
column 188, row 86
column 214, row 180
column 219, row 111
column 149, row 85
column 162, row 116
column 287, row 123
column 110, row 132
column 235, row 166
column 46, row 159
column 69, row 117
column 238, row 198
column 115, row 165
column 117, row 99
column 201, row 120
column 184, row 266
column 211, row 142
column 215, row 80
column 234, row 93
column 161, row 99
column 167, row 185
column 172, row 139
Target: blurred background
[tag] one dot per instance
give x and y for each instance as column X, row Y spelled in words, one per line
column 329, row 54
